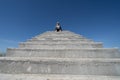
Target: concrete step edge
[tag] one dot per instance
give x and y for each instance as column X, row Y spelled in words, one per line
column 36, row 59
column 55, row 77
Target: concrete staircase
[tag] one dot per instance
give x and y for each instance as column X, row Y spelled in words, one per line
column 60, row 56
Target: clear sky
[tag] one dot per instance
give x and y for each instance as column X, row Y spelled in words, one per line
column 95, row 19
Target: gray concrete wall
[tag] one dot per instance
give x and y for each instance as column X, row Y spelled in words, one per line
column 60, row 46
column 58, row 41
column 65, row 53
column 109, row 67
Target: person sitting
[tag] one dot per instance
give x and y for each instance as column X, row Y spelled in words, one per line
column 58, row 27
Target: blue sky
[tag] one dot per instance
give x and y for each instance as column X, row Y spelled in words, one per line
column 95, row 19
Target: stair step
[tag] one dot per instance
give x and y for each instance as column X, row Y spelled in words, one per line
column 58, row 45
column 65, row 53
column 55, row 77
column 68, row 66
column 62, row 41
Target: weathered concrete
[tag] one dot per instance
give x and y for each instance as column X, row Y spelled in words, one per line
column 55, row 42
column 77, row 45
column 59, row 46
column 61, row 41
column 62, row 55
column 65, row 53
column 55, row 77
column 36, row 65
